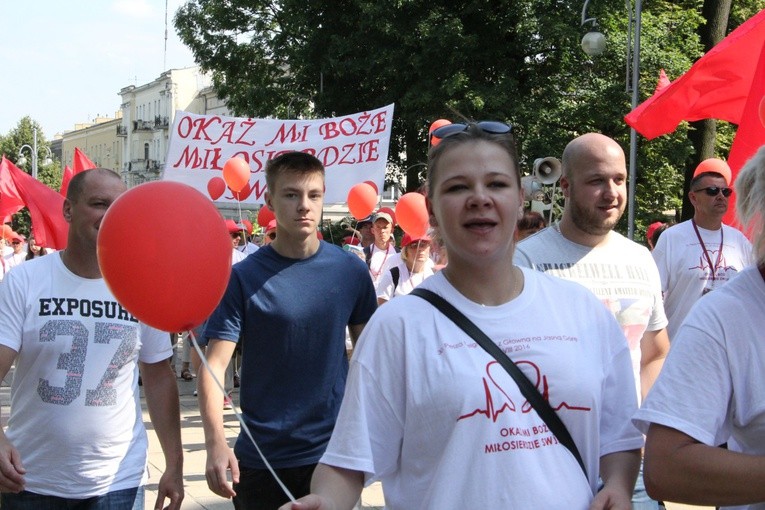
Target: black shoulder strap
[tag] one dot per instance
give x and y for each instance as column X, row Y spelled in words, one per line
column 529, row 391
column 395, row 273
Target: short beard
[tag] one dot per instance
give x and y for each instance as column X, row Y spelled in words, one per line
column 588, row 223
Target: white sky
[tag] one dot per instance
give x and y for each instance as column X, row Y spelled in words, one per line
column 65, row 61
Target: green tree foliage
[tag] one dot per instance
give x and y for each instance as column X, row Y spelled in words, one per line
column 11, row 144
column 513, row 60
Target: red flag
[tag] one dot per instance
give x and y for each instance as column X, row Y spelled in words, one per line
column 717, row 86
column 81, row 162
column 751, row 132
column 67, row 176
column 663, row 81
column 45, row 206
column 10, row 200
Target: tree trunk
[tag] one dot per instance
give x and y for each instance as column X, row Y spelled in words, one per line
column 703, row 133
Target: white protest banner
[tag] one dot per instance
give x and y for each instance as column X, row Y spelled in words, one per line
column 353, row 149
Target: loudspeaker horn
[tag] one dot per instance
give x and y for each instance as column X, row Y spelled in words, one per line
column 547, row 170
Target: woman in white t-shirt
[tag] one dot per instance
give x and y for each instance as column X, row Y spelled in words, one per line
column 434, row 417
column 415, row 265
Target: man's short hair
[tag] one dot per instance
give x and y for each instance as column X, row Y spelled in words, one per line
column 77, row 184
column 294, row 162
column 698, row 178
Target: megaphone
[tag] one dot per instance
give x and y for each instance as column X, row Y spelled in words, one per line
column 532, row 188
column 547, row 170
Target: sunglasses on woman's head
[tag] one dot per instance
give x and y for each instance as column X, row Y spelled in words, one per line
column 487, row 126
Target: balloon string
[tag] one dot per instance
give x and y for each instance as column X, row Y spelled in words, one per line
column 239, row 416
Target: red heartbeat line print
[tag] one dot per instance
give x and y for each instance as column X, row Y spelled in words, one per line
column 491, row 409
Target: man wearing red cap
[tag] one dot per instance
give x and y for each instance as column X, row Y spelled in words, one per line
column 18, row 255
column 699, row 255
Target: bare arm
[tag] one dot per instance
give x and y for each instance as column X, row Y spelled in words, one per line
column 332, row 488
column 654, row 347
column 355, row 331
column 679, row 468
column 11, row 469
column 618, row 471
column 161, row 390
column 220, row 457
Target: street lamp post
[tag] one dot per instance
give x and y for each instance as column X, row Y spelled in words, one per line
column 22, row 160
column 593, row 43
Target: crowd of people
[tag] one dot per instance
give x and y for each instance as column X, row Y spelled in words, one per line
column 595, row 340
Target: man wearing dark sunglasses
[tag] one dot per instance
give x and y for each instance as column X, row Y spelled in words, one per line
column 699, row 255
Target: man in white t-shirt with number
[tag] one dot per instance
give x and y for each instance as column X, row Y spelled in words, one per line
column 382, row 254
column 75, row 434
column 686, row 253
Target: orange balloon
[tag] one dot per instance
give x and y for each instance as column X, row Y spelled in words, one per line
column 7, row 232
column 436, row 124
column 362, row 199
column 412, row 214
column 236, row 173
column 714, row 165
column 172, row 290
column 761, row 110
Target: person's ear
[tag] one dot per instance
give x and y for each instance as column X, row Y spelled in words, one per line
column 431, row 216
column 67, row 210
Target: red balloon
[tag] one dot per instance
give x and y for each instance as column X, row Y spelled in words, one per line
column 389, row 211
column 362, row 199
column 374, row 186
column 265, row 215
column 412, row 214
column 247, row 225
column 215, row 187
column 236, row 173
column 437, row 124
column 170, row 283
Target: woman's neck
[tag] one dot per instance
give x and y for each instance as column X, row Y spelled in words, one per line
column 492, row 287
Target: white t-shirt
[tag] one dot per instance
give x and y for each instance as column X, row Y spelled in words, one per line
column 15, row 259
column 621, row 273
column 75, row 409
column 237, row 256
column 711, row 386
column 685, row 271
column 406, row 281
column 382, row 261
column 443, row 426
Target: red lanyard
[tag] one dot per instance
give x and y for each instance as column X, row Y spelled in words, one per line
column 706, row 252
column 375, row 274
